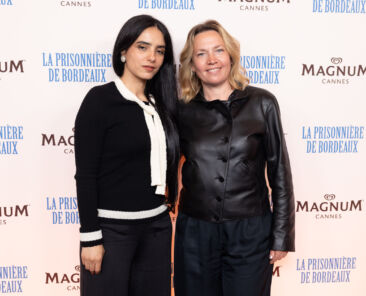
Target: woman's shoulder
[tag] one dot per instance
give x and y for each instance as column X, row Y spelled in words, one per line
column 261, row 96
column 97, row 98
column 103, row 90
column 258, row 93
column 103, row 95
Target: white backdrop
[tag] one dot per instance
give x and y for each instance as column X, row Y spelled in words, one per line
column 309, row 39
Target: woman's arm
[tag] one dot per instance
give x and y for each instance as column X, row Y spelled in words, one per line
column 88, row 150
column 280, row 181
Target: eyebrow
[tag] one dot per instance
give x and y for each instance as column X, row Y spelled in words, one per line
column 217, row 46
column 147, row 43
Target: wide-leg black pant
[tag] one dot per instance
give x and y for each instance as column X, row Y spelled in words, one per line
column 222, row 259
column 137, row 261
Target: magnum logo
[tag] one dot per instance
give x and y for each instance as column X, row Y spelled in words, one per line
column 329, row 208
column 276, row 271
column 335, row 72
column 76, row 3
column 56, row 140
column 14, row 211
column 72, row 279
column 255, row 5
column 12, row 66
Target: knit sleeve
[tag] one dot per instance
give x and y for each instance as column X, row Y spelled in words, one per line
column 88, row 149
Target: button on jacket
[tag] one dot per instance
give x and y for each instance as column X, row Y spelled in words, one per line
column 227, row 146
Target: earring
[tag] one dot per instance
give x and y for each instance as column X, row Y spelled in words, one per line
column 123, row 59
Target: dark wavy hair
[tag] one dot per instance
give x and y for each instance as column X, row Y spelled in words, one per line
column 162, row 86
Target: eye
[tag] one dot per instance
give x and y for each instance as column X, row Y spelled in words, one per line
column 161, row 51
column 141, row 47
column 220, row 50
column 200, row 54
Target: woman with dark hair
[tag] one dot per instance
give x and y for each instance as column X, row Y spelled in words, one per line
column 227, row 238
column 126, row 151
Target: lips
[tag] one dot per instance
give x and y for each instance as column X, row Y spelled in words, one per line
column 149, row 68
column 213, row 70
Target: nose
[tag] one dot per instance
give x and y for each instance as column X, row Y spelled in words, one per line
column 211, row 59
column 152, row 56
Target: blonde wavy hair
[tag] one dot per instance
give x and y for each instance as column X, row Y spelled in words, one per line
column 190, row 84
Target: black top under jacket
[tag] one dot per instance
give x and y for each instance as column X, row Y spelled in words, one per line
column 227, row 146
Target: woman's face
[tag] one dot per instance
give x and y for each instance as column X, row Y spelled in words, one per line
column 145, row 56
column 210, row 60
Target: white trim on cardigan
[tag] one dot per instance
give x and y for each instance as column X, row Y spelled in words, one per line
column 91, row 236
column 158, row 157
column 102, row 213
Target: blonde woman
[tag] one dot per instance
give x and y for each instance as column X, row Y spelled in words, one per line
column 227, row 236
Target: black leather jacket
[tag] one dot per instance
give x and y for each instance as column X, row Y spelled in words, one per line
column 227, row 145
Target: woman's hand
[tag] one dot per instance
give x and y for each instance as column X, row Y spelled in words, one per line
column 276, row 255
column 91, row 258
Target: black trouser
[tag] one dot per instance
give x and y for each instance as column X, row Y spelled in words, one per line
column 137, row 261
column 222, row 259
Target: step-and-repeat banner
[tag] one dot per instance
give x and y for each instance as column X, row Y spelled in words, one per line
column 309, row 53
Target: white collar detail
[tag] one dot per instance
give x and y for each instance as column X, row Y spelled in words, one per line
column 158, row 154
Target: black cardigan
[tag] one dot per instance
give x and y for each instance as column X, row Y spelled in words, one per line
column 112, row 153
